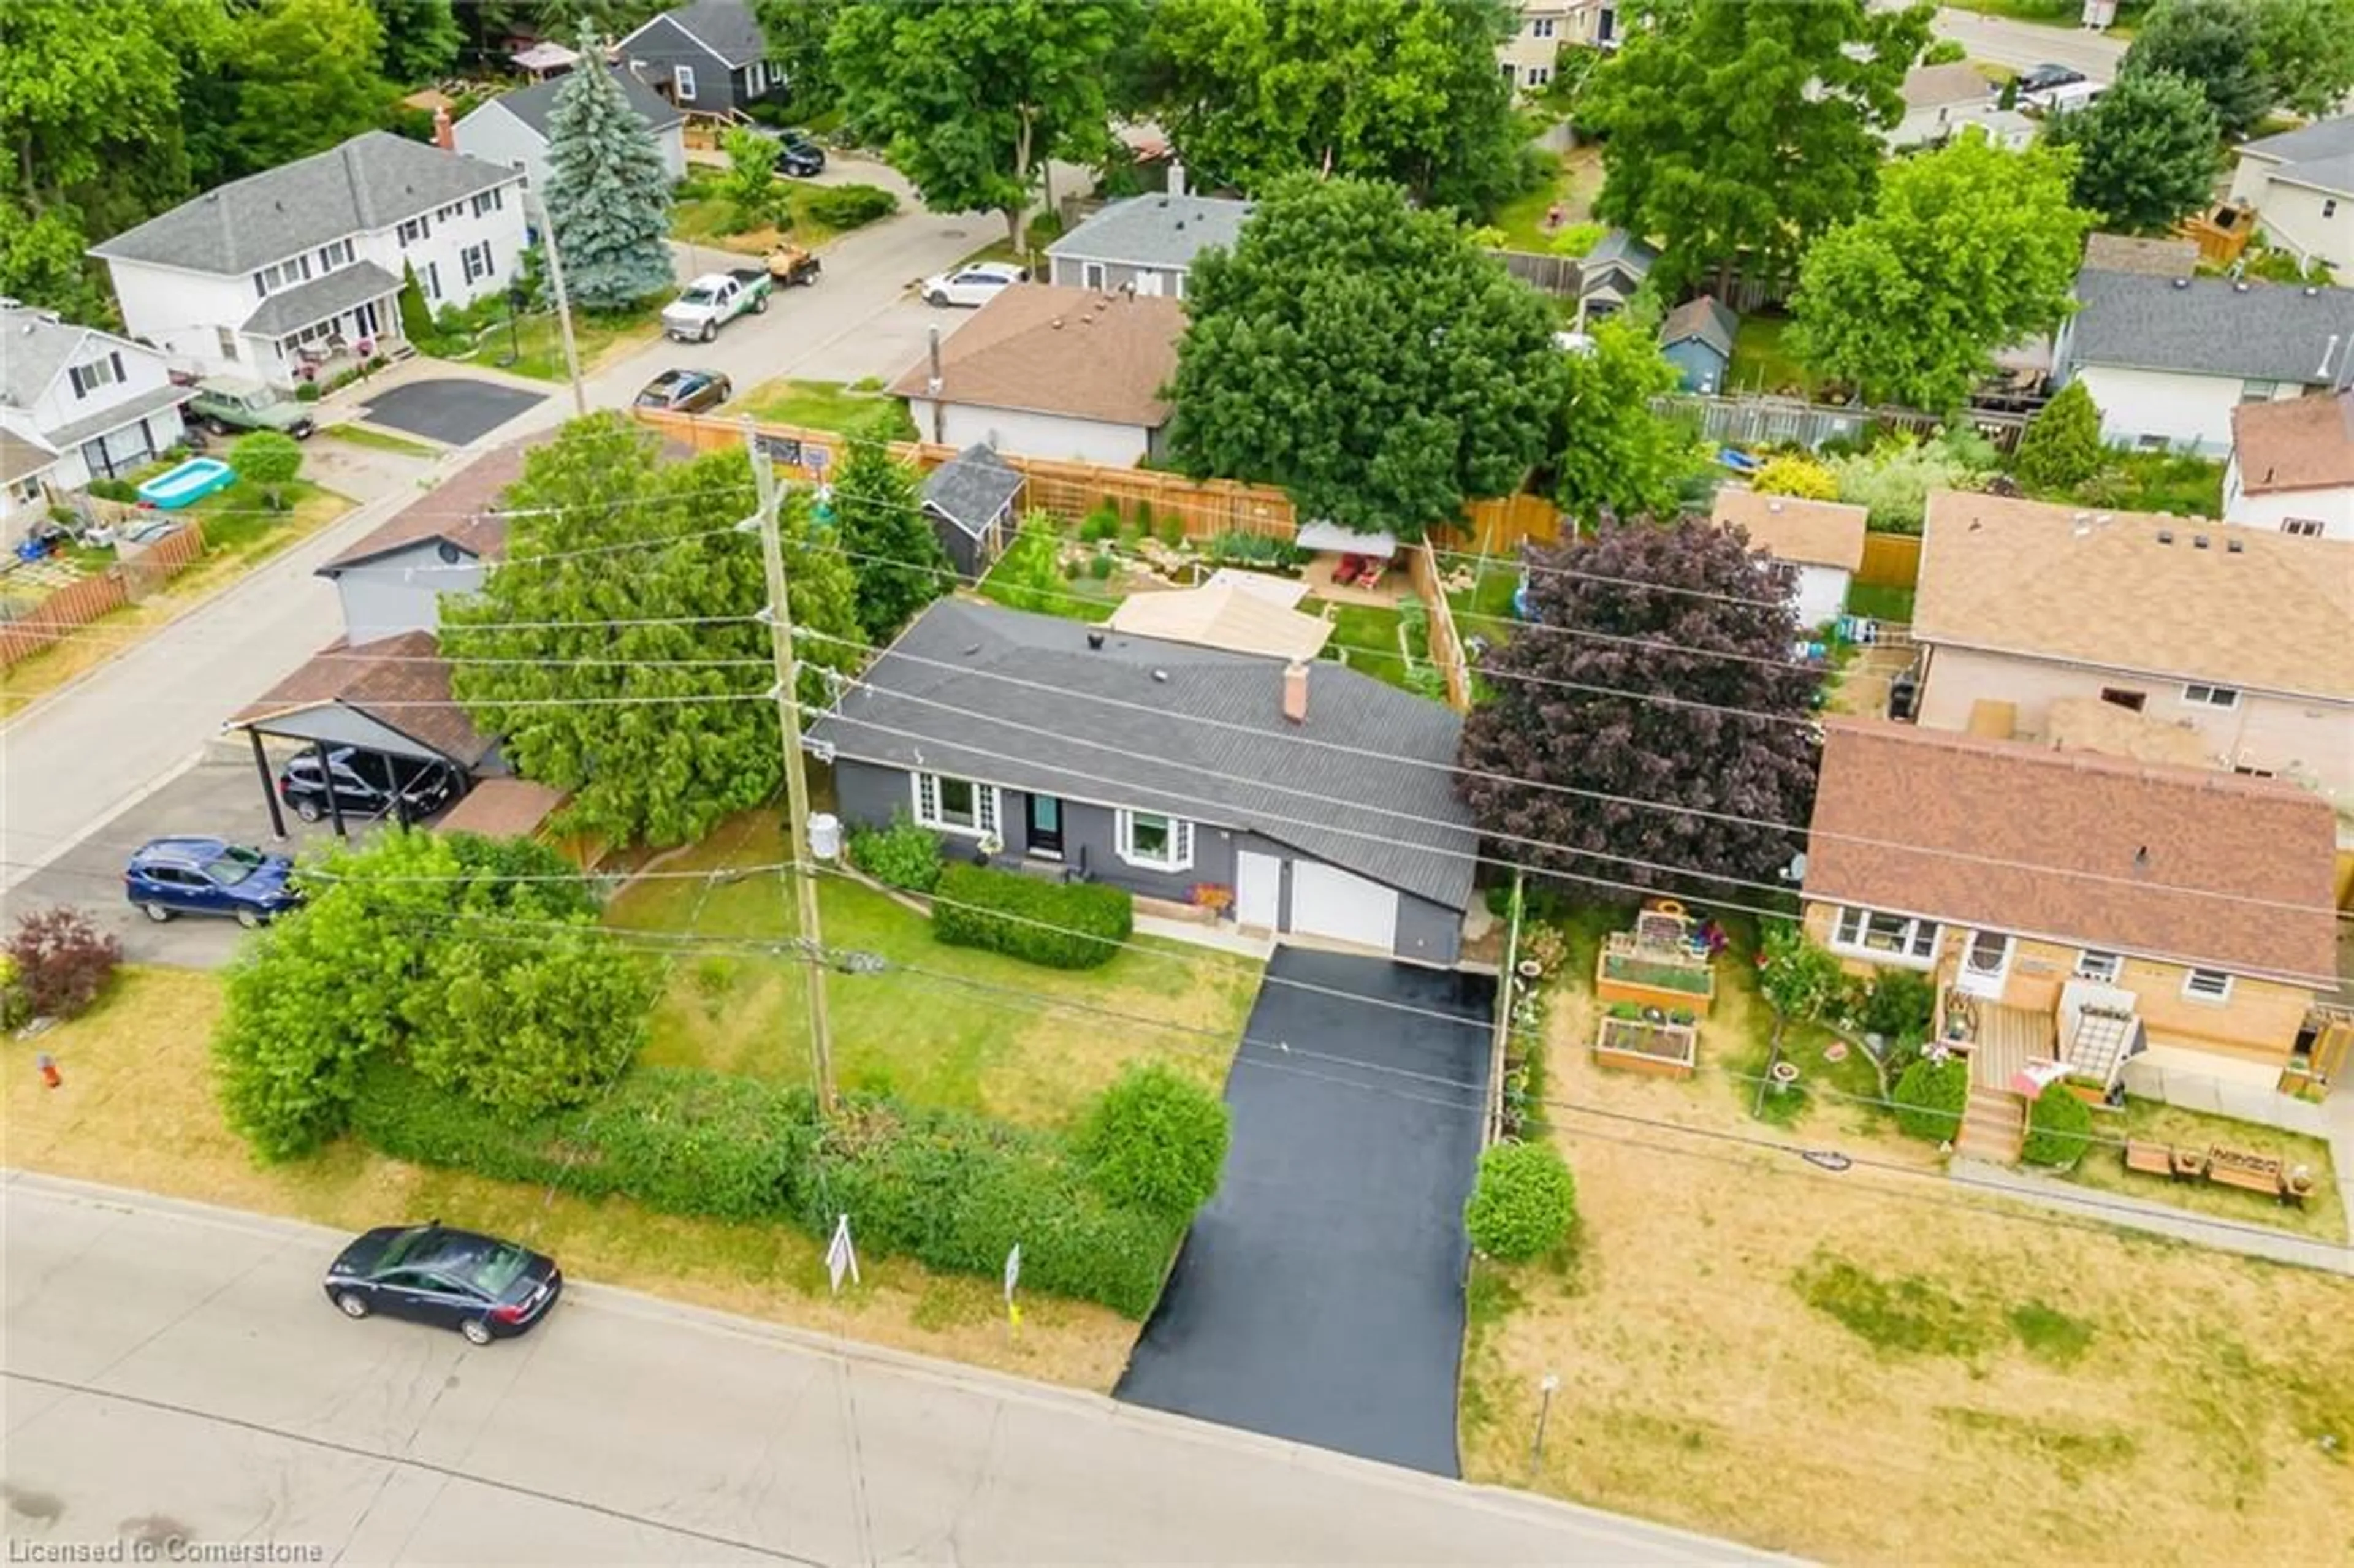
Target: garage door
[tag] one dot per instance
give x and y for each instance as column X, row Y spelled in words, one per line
column 1341, row 907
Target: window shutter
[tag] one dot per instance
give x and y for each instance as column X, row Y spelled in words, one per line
column 73, row 377
column 117, row 356
column 1180, row 836
column 928, row 798
column 1124, row 834
column 984, row 806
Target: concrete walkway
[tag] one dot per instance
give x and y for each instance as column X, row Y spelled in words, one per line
column 2160, row 1219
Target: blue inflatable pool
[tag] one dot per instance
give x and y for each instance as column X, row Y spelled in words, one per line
column 186, row 485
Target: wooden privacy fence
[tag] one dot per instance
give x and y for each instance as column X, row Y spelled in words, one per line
column 1446, row 645
column 1891, row 560
column 1543, row 271
column 76, row 605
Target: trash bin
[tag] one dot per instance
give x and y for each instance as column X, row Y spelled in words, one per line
column 825, row 836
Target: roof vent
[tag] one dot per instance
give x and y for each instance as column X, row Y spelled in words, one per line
column 2241, row 287
column 1057, row 324
column 1161, row 676
column 2182, row 283
column 1095, row 638
column 2165, row 535
column 2311, row 292
column 2198, row 541
column 2141, row 858
column 2236, row 546
column 1773, row 506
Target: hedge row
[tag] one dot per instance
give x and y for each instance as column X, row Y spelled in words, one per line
column 951, row 1190
column 1062, row 925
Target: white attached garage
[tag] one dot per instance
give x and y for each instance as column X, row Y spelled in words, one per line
column 1340, row 907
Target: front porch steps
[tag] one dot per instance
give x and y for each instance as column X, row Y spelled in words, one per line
column 1994, row 1126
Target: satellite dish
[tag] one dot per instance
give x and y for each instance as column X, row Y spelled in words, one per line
column 1797, row 870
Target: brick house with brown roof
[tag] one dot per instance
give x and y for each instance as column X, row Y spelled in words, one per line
column 1049, row 372
column 2133, row 920
column 2237, row 634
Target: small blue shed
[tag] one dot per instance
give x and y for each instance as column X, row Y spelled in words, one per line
column 1697, row 339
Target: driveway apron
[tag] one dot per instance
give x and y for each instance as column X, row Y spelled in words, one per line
column 1320, row 1296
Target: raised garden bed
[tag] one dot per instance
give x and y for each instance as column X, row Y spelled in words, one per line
column 1649, row 981
column 1639, row 1045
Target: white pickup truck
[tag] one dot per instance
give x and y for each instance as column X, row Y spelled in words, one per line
column 714, row 300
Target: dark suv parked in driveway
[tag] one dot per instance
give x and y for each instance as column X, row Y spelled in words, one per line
column 367, row 783
column 208, row 876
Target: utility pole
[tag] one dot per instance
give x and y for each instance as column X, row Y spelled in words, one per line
column 780, row 617
column 563, row 306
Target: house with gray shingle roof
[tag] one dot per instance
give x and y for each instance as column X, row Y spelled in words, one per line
column 512, row 128
column 2301, row 183
column 708, row 58
column 2168, row 359
column 97, row 404
column 1319, row 798
column 282, row 274
column 1149, row 241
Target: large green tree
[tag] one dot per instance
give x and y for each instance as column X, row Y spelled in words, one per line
column 1365, row 356
column 975, row 100
column 608, row 193
column 2306, row 51
column 1395, row 90
column 2063, row 444
column 1739, row 132
column 658, row 729
column 2211, row 44
column 1610, row 453
column 1691, row 700
column 306, row 79
column 797, row 31
column 2145, row 152
column 878, row 509
column 421, row 39
column 476, row 961
column 1967, row 249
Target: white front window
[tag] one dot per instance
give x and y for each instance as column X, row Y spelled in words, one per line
column 1541, row 28
column 476, row 260
column 1539, row 75
column 2094, row 965
column 955, row 805
column 489, row 201
column 410, row 231
column 1160, row 842
column 430, row 281
column 682, row 81
column 1887, row 939
column 104, row 371
column 2302, row 527
column 2210, row 696
column 339, row 254
column 2207, row 985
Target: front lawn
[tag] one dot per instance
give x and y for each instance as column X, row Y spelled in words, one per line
column 2103, row 1167
column 137, row 1110
column 711, row 221
column 1760, row 363
column 825, row 406
column 1748, row 1344
column 1874, row 602
column 974, row 1030
column 533, row 344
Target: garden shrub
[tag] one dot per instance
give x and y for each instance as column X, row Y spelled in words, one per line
column 1899, row 1005
column 1101, row 524
column 1100, row 564
column 1524, row 1203
column 1064, row 926
column 60, row 961
column 849, row 207
column 1239, row 548
column 902, row 856
column 953, row 1191
column 1930, row 1097
column 1171, row 531
column 2059, row 1128
column 1792, row 475
column 1797, row 977
column 1155, row 1141
column 15, row 1007
column 306, row 392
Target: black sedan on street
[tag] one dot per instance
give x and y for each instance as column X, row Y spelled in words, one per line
column 483, row 1288
column 798, row 157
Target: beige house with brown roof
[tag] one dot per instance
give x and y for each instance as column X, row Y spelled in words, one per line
column 2141, row 924
column 2239, row 635
column 2292, row 467
column 1049, row 372
column 1822, row 539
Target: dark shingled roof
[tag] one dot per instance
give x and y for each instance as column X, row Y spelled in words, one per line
column 726, row 27
column 371, row 182
column 972, row 488
column 307, row 304
column 2211, row 326
column 936, row 700
column 532, row 104
column 402, row 682
column 1705, row 319
column 461, row 510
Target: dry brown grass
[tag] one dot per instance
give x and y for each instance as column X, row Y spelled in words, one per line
column 137, row 1111
column 2322, row 1214
column 2012, row 1389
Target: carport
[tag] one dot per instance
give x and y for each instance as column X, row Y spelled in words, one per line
column 390, row 695
column 1320, row 1296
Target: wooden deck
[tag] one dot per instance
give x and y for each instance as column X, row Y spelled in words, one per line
column 2007, row 1039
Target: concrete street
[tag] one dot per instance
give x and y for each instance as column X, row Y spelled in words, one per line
column 77, row 760
column 2001, row 41
column 174, row 1371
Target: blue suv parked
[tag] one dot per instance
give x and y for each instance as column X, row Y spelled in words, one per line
column 208, row 876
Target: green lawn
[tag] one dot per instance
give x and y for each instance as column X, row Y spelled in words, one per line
column 536, row 342
column 825, row 406
column 1877, row 603
column 712, row 221
column 1083, row 597
column 1577, row 176
column 1366, row 639
column 1759, row 360
column 975, row 1031
column 1485, row 609
column 382, row 440
column 2151, row 482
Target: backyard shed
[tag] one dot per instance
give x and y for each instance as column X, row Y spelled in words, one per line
column 969, row 500
column 1697, row 339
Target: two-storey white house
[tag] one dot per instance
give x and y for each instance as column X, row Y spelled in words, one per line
column 2301, row 183
column 2292, row 467
column 98, row 405
column 274, row 275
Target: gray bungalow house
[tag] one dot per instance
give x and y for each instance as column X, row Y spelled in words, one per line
column 707, row 58
column 1150, row 241
column 1320, row 799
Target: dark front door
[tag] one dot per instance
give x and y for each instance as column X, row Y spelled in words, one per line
column 1047, row 826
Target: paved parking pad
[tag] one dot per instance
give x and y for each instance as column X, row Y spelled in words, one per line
column 1320, row 1296
column 451, row 411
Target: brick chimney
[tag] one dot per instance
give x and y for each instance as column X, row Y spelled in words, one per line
column 445, row 135
column 1295, row 691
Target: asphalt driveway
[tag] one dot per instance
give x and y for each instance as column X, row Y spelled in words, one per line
column 452, row 410
column 1319, row 1295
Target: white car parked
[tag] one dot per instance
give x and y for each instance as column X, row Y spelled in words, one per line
column 974, row 285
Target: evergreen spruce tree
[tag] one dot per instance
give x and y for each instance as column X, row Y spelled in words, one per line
column 2063, row 444
column 608, row 193
column 416, row 321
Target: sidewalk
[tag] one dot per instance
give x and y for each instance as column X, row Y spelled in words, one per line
column 2161, row 1219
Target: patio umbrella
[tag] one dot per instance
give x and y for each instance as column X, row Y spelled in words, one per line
column 2036, row 1076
